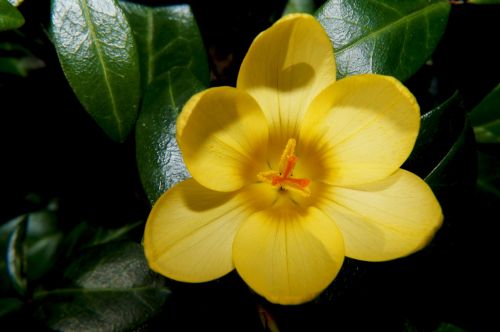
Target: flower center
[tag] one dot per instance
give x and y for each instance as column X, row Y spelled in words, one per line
column 283, row 178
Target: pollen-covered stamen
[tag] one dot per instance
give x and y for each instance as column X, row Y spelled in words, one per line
column 284, row 177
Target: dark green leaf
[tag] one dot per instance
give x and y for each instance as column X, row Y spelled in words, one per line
column 445, row 327
column 166, row 37
column 17, row 60
column 110, row 288
column 485, row 118
column 15, row 257
column 8, row 305
column 84, row 235
column 488, row 165
column 439, row 130
column 444, row 155
column 12, row 66
column 99, row 57
column 38, row 246
column 299, row 6
column 104, row 235
column 7, row 229
column 10, row 17
column 158, row 157
column 409, row 327
column 40, row 242
column 454, row 176
column 42, row 255
column 391, row 37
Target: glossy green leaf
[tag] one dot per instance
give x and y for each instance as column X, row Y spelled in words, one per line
column 166, row 37
column 10, row 17
column 485, row 118
column 299, row 6
column 159, row 159
column 111, row 288
column 97, row 52
column 391, row 37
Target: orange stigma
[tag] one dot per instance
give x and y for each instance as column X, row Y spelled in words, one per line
column 284, row 177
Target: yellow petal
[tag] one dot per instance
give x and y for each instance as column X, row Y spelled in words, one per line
column 190, row 230
column 384, row 220
column 287, row 66
column 360, row 129
column 287, row 255
column 222, row 134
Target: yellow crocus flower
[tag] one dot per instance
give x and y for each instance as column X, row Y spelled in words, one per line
column 291, row 172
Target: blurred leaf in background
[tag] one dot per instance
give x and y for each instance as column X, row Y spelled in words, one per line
column 485, row 118
column 10, row 17
column 299, row 6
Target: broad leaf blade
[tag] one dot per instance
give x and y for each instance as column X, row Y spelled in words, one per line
column 391, row 37
column 10, row 17
column 111, row 289
column 158, row 156
column 485, row 118
column 166, row 37
column 99, row 58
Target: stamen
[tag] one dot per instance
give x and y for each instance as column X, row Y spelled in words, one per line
column 289, row 151
column 283, row 178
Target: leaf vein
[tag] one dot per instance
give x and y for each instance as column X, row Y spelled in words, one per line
column 99, row 52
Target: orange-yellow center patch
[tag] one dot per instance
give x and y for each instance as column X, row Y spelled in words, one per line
column 283, row 178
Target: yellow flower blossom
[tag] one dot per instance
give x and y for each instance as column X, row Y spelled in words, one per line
column 291, row 172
